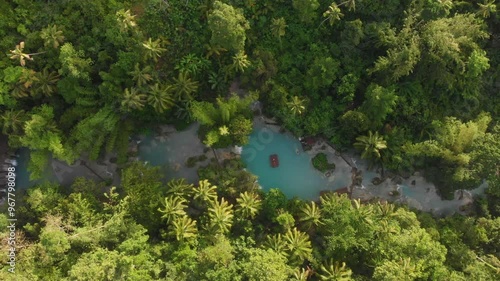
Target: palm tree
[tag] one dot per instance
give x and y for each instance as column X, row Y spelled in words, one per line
column 46, row 82
column 297, row 105
column 173, row 207
column 350, row 4
column 298, row 245
column 192, row 64
column 386, row 229
column 223, row 130
column 160, row 97
column 153, row 49
column 278, row 27
column 141, row 76
column 216, row 81
column 213, row 50
column 205, row 192
column 183, row 111
column 248, row 204
column 365, row 212
column 184, row 86
column 221, row 216
column 384, row 210
column 17, row 53
column 276, row 243
column 184, row 228
column 19, row 91
column 333, row 271
column 333, row 14
column 125, row 19
column 52, row 37
column 311, row 215
column 240, row 62
column 487, row 8
column 132, row 99
column 371, row 146
column 179, row 187
column 13, row 121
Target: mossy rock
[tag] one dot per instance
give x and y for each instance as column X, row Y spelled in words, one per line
column 191, row 161
column 377, row 181
column 320, row 162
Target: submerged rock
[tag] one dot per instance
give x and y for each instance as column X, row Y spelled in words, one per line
column 377, row 181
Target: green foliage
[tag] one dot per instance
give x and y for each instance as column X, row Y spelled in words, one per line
column 265, row 265
column 397, row 67
column 90, row 134
column 371, row 146
column 228, row 123
column 379, row 103
column 320, row 162
column 73, row 62
column 454, row 149
column 52, row 37
column 306, row 9
column 228, row 26
column 143, row 187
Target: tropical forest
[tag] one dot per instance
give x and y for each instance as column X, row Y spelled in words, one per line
column 249, row 140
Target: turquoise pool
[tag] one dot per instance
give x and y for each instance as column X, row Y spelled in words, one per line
column 170, row 152
column 295, row 175
column 22, row 174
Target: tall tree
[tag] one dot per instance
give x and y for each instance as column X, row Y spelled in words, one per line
column 240, row 62
column 133, row 99
column 298, row 245
column 184, row 87
column 306, row 9
column 140, row 75
column 249, row 204
column 160, row 97
column 371, row 146
column 221, row 216
column 73, row 62
column 52, row 37
column 125, row 20
column 179, row 187
column 333, row 14
column 487, row 8
column 379, row 103
column 297, row 105
column 228, row 26
column 278, row 27
column 184, row 228
column 310, row 215
column 334, row 271
column 12, row 121
column 205, row 192
column 18, row 53
column 46, row 82
column 153, row 49
column 265, row 265
column 173, row 208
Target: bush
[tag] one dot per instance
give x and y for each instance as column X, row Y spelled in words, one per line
column 320, row 162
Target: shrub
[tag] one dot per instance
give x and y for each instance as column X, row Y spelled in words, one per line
column 320, row 162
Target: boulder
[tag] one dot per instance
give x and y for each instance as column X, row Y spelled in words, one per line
column 377, row 181
column 397, row 180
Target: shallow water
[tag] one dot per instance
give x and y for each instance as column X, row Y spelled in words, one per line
column 22, row 174
column 170, row 152
column 295, row 175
